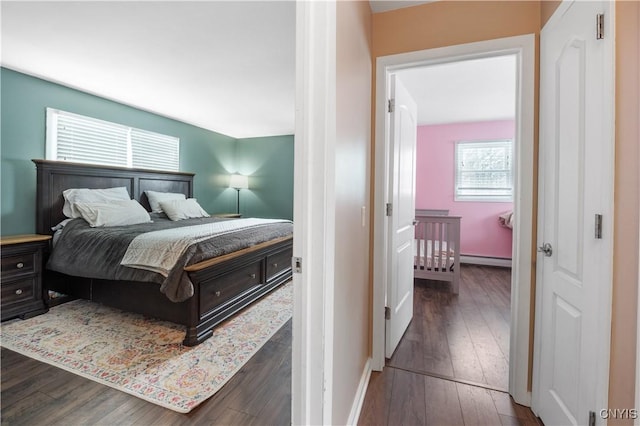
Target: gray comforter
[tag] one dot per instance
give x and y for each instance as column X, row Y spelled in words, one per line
column 96, row 252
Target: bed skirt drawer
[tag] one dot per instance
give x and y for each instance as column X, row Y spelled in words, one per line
column 278, row 263
column 228, row 286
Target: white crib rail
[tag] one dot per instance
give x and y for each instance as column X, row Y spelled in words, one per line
column 437, row 248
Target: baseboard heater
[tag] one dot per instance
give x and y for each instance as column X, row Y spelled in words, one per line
column 487, row 261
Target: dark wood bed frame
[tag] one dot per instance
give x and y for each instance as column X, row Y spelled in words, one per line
column 222, row 285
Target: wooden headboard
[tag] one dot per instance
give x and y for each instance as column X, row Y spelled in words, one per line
column 56, row 176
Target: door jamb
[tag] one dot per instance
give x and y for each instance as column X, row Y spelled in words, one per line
column 314, row 213
column 524, row 47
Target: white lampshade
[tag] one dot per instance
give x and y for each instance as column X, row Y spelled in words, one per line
column 238, row 181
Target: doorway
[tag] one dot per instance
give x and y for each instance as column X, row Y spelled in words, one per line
column 522, row 47
column 464, row 168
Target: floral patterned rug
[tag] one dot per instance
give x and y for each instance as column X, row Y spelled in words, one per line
column 145, row 357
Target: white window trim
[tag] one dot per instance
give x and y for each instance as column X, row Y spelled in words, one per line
column 482, row 198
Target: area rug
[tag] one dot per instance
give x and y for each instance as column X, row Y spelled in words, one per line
column 145, row 357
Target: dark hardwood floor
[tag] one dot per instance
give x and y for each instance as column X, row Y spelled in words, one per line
column 399, row 397
column 452, row 364
column 34, row 393
column 465, row 336
column 448, row 370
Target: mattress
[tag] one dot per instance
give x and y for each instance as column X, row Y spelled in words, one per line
column 97, row 253
column 431, row 255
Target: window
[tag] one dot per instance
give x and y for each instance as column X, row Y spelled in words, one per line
column 484, row 171
column 73, row 137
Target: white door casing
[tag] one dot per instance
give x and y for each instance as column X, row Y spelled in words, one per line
column 523, row 47
column 314, row 213
column 573, row 306
column 403, row 133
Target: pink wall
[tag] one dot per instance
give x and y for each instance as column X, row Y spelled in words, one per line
column 481, row 234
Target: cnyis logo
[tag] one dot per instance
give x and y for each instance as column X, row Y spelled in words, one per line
column 618, row 413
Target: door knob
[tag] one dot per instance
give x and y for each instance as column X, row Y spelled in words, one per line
column 546, row 249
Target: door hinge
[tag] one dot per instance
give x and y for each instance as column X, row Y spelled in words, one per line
column 391, row 105
column 598, row 230
column 389, row 209
column 599, row 26
column 592, row 418
column 296, row 264
column 387, row 312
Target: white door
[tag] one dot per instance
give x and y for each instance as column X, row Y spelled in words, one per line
column 573, row 308
column 402, row 190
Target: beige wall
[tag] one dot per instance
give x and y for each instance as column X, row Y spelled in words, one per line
column 627, row 209
column 448, row 23
column 353, row 142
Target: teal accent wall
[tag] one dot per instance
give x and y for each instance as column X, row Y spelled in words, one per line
column 268, row 162
column 210, row 155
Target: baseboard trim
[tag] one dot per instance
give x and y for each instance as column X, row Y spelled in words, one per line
column 361, row 392
column 487, row 261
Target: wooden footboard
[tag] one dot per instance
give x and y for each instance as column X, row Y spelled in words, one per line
column 221, row 289
column 227, row 284
column 437, row 248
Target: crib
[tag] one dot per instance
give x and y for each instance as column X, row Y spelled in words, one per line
column 437, row 247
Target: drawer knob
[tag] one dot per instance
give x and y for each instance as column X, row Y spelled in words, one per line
column 275, row 265
column 20, row 265
column 218, row 293
column 252, row 275
column 19, row 291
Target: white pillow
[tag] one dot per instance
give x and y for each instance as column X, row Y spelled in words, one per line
column 84, row 195
column 114, row 213
column 183, row 209
column 156, row 197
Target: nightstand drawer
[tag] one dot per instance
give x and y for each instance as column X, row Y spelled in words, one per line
column 18, row 291
column 19, row 264
column 21, row 292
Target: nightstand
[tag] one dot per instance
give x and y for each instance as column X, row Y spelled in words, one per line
column 21, row 275
column 228, row 215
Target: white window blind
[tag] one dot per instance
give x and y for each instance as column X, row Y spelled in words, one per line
column 154, row 151
column 484, row 170
column 77, row 138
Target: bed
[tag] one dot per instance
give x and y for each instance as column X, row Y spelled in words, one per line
column 221, row 285
column 437, row 247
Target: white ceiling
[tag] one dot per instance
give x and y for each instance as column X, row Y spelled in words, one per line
column 472, row 90
column 224, row 66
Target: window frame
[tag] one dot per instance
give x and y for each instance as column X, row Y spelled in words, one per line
column 488, row 197
column 169, row 163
